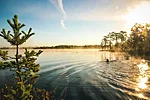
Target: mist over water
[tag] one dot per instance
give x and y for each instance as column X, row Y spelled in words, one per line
column 85, row 75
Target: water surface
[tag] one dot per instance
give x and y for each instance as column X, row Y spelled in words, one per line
column 85, row 75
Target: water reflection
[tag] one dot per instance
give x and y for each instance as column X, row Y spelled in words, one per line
column 142, row 82
column 86, row 76
column 141, row 95
column 142, row 79
column 143, row 66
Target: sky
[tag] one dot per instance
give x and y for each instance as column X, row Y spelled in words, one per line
column 72, row 22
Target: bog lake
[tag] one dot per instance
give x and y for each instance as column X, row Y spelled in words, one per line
column 84, row 74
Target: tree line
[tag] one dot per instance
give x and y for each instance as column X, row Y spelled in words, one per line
column 59, row 47
column 137, row 42
column 69, row 47
column 113, row 40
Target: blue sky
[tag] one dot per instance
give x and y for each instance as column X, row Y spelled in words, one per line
column 76, row 22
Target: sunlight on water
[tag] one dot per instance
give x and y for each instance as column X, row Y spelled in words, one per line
column 142, row 82
column 142, row 79
column 143, row 66
column 141, row 95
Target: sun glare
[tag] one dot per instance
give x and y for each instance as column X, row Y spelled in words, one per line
column 141, row 95
column 143, row 66
column 139, row 14
column 142, row 83
column 142, row 79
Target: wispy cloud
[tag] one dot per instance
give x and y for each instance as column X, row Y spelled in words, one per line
column 62, row 24
column 59, row 5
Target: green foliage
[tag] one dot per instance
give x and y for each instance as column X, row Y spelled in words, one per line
column 3, row 55
column 24, row 66
column 16, row 38
column 21, row 92
column 138, row 43
column 112, row 40
column 139, row 38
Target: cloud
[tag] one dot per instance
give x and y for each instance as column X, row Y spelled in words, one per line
column 59, row 6
column 62, row 24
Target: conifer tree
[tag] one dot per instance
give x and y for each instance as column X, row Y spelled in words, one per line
column 24, row 66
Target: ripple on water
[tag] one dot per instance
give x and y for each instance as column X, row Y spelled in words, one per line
column 86, row 76
column 91, row 80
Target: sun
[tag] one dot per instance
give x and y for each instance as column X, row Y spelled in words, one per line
column 140, row 14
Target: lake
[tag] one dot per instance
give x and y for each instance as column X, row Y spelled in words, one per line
column 84, row 74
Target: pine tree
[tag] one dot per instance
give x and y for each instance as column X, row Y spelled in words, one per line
column 24, row 65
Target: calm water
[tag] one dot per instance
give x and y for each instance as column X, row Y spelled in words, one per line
column 84, row 75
